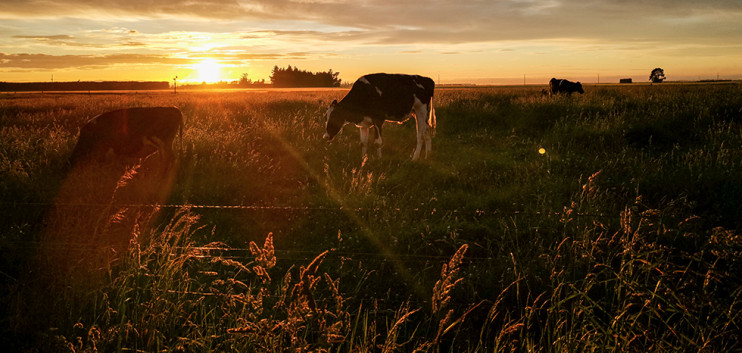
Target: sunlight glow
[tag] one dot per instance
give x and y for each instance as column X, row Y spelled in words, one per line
column 208, row 70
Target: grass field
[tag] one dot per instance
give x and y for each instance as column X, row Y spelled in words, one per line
column 623, row 234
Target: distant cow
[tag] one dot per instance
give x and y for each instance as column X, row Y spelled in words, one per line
column 129, row 132
column 564, row 86
column 377, row 98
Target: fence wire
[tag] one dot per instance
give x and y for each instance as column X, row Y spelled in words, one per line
column 287, row 255
column 433, row 210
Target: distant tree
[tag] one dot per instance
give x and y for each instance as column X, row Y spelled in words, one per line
column 244, row 81
column 293, row 77
column 657, row 75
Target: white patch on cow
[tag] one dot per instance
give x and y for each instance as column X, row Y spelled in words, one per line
column 418, row 105
column 326, row 136
column 329, row 111
column 419, row 85
column 364, row 80
column 367, row 122
column 378, row 91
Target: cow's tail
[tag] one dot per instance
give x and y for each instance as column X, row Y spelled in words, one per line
column 431, row 118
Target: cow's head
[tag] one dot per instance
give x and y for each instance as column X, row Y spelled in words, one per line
column 578, row 87
column 335, row 120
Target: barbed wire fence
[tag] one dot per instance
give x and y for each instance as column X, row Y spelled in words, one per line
column 433, row 210
column 243, row 253
column 293, row 256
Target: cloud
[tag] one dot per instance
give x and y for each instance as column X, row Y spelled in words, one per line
column 75, row 43
column 422, row 21
column 46, row 38
column 45, row 61
column 144, row 8
column 53, row 40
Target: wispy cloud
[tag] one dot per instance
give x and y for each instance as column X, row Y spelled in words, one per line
column 45, row 61
column 95, row 33
column 219, row 9
column 435, row 21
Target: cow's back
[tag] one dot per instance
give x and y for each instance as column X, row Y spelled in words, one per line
column 162, row 122
column 125, row 130
column 388, row 95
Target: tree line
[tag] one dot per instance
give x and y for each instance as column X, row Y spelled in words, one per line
column 293, row 77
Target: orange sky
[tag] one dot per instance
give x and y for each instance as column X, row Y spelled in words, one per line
column 468, row 41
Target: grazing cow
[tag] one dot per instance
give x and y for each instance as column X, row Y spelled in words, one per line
column 129, row 133
column 377, row 98
column 564, row 86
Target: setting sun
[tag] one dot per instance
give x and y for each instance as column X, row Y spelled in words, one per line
column 208, row 70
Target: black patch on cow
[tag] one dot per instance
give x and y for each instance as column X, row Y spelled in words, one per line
column 564, row 86
column 381, row 97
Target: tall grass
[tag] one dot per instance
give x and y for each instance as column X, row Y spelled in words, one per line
column 622, row 236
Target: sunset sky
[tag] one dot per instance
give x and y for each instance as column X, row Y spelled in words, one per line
column 464, row 41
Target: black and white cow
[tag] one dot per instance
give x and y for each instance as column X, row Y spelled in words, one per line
column 564, row 86
column 129, row 132
column 378, row 98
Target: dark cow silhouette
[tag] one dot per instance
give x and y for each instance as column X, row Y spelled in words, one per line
column 377, row 98
column 564, row 86
column 131, row 132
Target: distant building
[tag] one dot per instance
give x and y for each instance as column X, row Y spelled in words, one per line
column 625, row 80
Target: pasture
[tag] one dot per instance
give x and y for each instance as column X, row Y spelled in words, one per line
column 608, row 221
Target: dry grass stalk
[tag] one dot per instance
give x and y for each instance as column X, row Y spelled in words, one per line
column 449, row 279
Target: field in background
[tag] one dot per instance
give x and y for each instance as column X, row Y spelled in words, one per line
column 624, row 234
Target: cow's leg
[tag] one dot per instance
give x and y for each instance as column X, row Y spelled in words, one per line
column 423, row 133
column 428, row 131
column 364, row 140
column 421, row 130
column 377, row 141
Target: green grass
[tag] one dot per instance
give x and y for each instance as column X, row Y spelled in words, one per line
column 623, row 236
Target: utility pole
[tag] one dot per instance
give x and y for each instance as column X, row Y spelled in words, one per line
column 175, row 84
